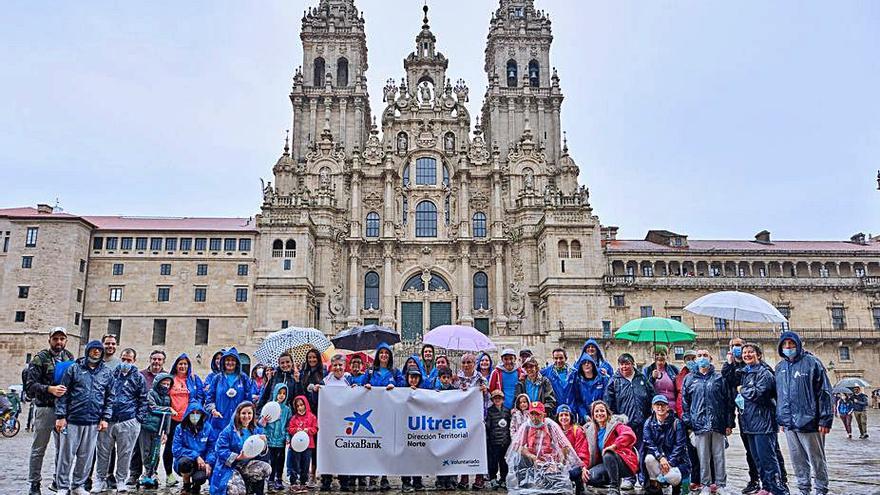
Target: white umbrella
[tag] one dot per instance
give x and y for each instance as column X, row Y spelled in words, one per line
column 736, row 306
column 459, row 338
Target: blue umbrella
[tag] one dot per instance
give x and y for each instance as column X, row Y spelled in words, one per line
column 365, row 337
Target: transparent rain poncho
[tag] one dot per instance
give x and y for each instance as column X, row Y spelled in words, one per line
column 540, row 459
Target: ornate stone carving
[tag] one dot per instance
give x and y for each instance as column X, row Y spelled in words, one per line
column 479, row 200
column 336, row 305
column 516, row 300
column 373, row 201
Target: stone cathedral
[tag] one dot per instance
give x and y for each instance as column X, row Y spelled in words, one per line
column 415, row 216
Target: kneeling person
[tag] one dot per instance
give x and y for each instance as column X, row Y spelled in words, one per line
column 665, row 448
column 192, row 450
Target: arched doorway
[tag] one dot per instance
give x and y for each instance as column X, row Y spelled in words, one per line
column 426, row 302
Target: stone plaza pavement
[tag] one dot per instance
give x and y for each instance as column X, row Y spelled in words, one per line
column 853, row 465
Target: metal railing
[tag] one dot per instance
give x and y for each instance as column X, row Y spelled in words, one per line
column 582, row 334
column 741, row 282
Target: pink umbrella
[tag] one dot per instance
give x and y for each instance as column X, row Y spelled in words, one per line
column 459, row 338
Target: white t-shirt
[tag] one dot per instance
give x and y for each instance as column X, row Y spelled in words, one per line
column 331, row 380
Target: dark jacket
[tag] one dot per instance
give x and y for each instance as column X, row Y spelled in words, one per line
column 667, row 439
column 706, row 402
column 159, row 405
column 804, row 393
column 415, row 359
column 545, row 391
column 758, row 388
column 129, row 395
column 602, row 364
column 630, row 398
column 859, row 402
column 290, row 379
column 215, row 369
column 582, row 391
column 498, row 425
column 40, row 375
column 311, row 376
column 671, row 372
column 89, row 397
column 218, row 396
column 193, row 440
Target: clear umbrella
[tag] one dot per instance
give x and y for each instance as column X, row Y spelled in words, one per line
column 736, row 306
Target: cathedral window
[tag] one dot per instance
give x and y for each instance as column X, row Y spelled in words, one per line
column 372, row 224
column 371, row 290
column 481, row 291
column 319, row 73
column 290, row 249
column 426, row 171
column 277, row 248
column 563, row 249
column 575, row 249
column 511, row 73
column 426, row 219
column 436, row 282
column 479, row 221
column 534, row 74
column 342, row 72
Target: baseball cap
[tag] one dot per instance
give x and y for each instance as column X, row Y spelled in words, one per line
column 563, row 408
column 508, row 352
column 537, row 407
column 525, row 352
column 496, row 393
column 660, row 398
column 690, row 352
column 54, row 330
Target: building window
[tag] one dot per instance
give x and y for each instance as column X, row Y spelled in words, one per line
column 79, row 295
column 215, row 244
column 285, row 323
column 202, row 331
column 482, row 324
column 6, row 243
column 342, row 72
column 118, row 268
column 31, row 238
column 618, row 300
column 435, row 283
column 426, row 219
column 511, row 73
column 481, row 291
column 163, row 294
column 201, row 244
column 426, row 171
column 98, row 243
column 241, row 294
column 165, row 269
column 823, row 272
column 838, row 318
column 372, row 224
column 648, row 271
column 786, row 312
column 875, row 313
column 229, row 244
column 27, row 261
column 562, row 249
column 155, row 244
column 646, row 311
column 288, row 264
column 140, row 243
column 675, row 317
column 277, row 248
column 318, row 73
column 201, row 294
column 171, row 244
column 575, row 249
column 126, row 244
column 720, row 324
column 82, row 266
column 242, row 270
column 159, row 328
column 201, row 269
column 115, row 294
column 244, row 244
column 186, row 243
column 76, row 317
column 714, row 271
column 762, row 272
column 23, row 291
column 843, row 353
column 85, row 330
column 371, row 290
column 112, row 243
column 859, row 271
column 19, row 316
column 290, row 249
column 445, row 168
column 534, row 74
column 479, row 221
column 114, row 327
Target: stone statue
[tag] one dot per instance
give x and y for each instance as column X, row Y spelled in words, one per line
column 324, row 177
column 449, row 143
column 402, row 142
column 529, row 179
column 425, row 92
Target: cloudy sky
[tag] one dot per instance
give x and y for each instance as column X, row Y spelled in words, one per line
column 713, row 118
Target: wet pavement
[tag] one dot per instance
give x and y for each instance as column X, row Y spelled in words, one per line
column 853, row 465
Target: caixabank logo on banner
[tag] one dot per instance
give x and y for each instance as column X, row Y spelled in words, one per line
column 359, row 422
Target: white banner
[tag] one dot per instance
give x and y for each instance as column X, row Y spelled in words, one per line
column 400, row 432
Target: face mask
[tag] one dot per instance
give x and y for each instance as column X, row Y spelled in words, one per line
column 194, row 418
column 537, row 423
column 94, row 360
column 692, row 365
column 125, row 367
column 164, row 388
column 740, row 401
column 702, row 362
column 737, row 351
column 790, row 353
column 260, row 373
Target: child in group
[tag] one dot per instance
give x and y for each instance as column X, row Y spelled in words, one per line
column 337, row 378
column 414, row 380
column 444, row 383
column 155, row 427
column 277, row 437
column 520, row 413
column 301, row 420
column 497, row 440
column 356, row 375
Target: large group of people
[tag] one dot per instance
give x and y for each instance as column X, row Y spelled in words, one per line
column 552, row 429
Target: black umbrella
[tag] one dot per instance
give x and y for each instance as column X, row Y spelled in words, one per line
column 365, row 337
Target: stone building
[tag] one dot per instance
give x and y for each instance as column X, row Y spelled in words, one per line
column 419, row 216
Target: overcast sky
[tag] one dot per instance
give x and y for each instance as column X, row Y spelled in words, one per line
column 712, row 118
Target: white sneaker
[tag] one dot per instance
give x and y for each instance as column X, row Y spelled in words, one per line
column 626, row 485
column 99, row 486
column 80, row 490
column 121, row 488
column 171, row 480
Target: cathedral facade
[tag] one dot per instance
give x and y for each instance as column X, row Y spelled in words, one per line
column 416, row 216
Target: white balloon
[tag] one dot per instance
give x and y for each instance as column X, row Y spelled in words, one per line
column 300, row 441
column 272, row 411
column 253, row 446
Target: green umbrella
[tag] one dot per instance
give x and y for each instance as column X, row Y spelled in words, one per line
column 654, row 329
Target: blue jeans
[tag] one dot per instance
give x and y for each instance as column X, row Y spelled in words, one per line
column 298, row 465
column 763, row 447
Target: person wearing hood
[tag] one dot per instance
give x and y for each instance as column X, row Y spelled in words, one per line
column 585, row 385
column 285, row 373
column 505, row 377
column 277, row 437
column 485, row 365
column 440, row 362
column 666, row 457
column 629, row 394
column 186, row 389
column 383, row 373
column 215, row 368
column 302, row 419
column 558, row 373
column 413, row 363
column 193, row 452
column 258, row 382
column 757, row 399
column 227, row 391
column 129, row 409
column 156, row 425
column 661, row 375
column 427, row 358
column 578, row 440
column 707, row 411
column 804, row 410
column 536, row 386
column 611, row 444
column 592, row 348
column 80, row 414
column 235, row 473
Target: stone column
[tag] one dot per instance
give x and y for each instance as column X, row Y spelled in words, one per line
column 357, row 218
column 467, row 287
column 343, row 134
column 463, row 207
column 388, row 207
column 353, row 281
column 387, row 285
column 496, row 205
column 498, row 254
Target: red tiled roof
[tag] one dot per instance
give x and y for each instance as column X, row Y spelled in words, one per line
column 624, row 245
column 28, row 211
column 172, row 223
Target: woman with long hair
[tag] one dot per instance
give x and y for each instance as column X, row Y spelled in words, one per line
column 612, row 449
column 235, row 473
